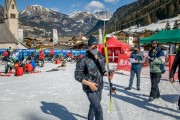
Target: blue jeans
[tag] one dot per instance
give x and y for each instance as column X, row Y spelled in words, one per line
column 95, row 109
column 138, row 73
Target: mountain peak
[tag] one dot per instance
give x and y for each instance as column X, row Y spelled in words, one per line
column 98, row 15
column 74, row 14
column 103, row 15
column 37, row 8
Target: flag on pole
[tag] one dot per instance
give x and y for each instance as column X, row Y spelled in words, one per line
column 100, row 37
column 20, row 35
column 55, row 36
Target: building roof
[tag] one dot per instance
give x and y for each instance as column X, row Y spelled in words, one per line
column 8, row 3
column 164, row 36
column 6, row 36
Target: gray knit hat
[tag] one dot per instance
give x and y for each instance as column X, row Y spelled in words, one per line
column 92, row 41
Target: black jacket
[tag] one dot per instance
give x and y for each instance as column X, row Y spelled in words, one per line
column 174, row 66
column 91, row 69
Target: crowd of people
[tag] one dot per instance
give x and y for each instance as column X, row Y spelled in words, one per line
column 18, row 60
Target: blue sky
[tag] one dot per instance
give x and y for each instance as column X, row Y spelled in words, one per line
column 69, row 6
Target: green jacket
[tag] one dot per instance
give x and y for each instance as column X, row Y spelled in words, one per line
column 155, row 64
column 157, row 60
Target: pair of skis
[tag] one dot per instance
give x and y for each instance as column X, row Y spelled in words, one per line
column 108, row 71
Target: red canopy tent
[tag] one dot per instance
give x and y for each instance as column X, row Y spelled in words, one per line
column 115, row 47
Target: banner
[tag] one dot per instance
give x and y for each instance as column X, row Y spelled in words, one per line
column 113, row 54
column 20, row 35
column 123, row 62
column 100, row 37
column 56, row 51
column 171, row 60
column 55, row 36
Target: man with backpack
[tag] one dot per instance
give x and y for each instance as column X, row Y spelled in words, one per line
column 156, row 60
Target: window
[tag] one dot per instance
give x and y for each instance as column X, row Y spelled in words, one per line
column 13, row 15
column 12, row 6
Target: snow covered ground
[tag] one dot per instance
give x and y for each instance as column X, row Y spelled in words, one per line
column 57, row 96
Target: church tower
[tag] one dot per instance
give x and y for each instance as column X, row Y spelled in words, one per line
column 11, row 16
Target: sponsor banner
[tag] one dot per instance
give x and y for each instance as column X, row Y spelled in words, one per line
column 20, row 35
column 123, row 62
column 100, row 37
column 113, row 54
column 55, row 36
column 171, row 60
column 56, row 51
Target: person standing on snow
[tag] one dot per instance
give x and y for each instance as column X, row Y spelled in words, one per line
column 176, row 64
column 51, row 55
column 15, row 56
column 41, row 58
column 156, row 59
column 136, row 59
column 90, row 71
column 6, row 55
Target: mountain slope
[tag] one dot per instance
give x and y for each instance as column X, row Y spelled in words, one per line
column 142, row 13
column 103, row 15
column 74, row 24
column 94, row 30
column 87, row 20
column 38, row 16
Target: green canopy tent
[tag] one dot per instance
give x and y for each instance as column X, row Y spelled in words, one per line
column 164, row 36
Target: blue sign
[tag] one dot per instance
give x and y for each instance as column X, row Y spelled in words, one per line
column 46, row 52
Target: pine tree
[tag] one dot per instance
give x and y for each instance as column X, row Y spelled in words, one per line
column 147, row 20
column 175, row 25
column 167, row 27
column 171, row 10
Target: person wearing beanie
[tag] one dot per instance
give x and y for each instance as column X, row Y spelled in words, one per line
column 136, row 59
column 90, row 70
